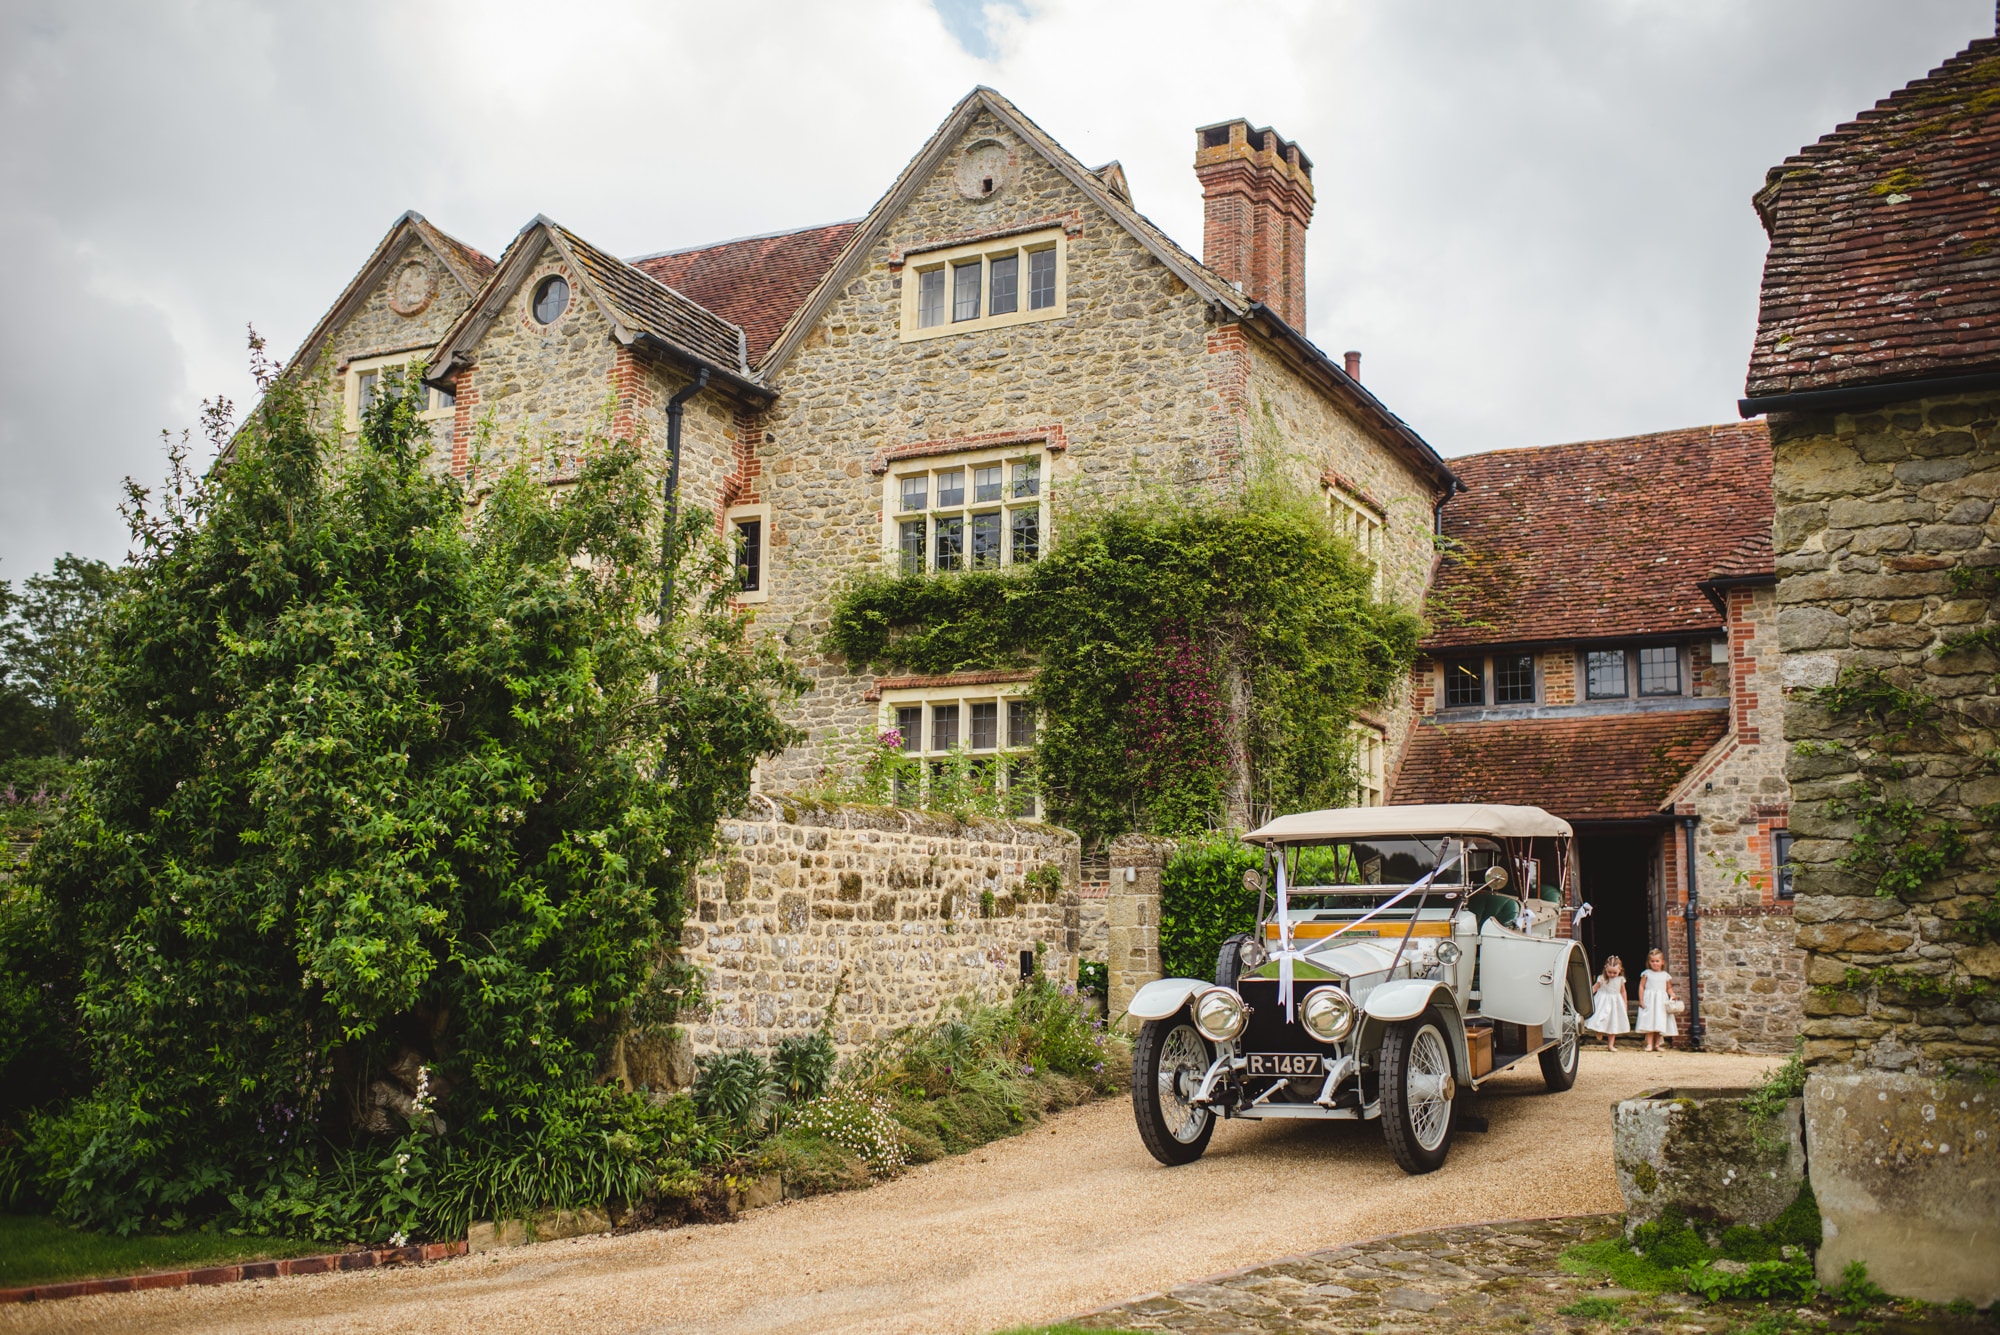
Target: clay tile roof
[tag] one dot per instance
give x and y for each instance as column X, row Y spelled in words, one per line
column 1751, row 558
column 1885, row 241
column 1599, row 767
column 1597, row 540
column 756, row 282
column 645, row 304
column 476, row 262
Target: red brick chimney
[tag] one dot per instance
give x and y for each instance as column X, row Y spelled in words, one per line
column 1257, row 196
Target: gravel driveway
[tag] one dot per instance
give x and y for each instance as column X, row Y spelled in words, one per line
column 1069, row 1217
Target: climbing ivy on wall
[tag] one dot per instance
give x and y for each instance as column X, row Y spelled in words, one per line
column 1175, row 647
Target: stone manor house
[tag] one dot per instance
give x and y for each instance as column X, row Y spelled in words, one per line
column 1005, row 338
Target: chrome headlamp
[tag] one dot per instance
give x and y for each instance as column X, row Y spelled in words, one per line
column 1448, row 952
column 1327, row 1014
column 1219, row 1014
column 1252, row 953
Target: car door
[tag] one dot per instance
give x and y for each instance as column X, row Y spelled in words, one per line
column 1520, row 976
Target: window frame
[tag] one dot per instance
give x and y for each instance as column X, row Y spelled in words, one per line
column 1625, row 660
column 1784, row 871
column 1673, row 652
column 1445, row 667
column 949, row 259
column 1534, row 679
column 1006, row 753
column 761, row 514
column 440, row 405
column 1370, row 765
column 969, row 462
column 1362, row 523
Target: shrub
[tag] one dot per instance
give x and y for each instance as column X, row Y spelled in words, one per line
column 803, row 1065
column 380, row 798
column 859, row 1123
column 1856, row 1293
column 735, row 1088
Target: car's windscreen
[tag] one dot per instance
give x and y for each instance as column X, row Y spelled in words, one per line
column 1364, row 862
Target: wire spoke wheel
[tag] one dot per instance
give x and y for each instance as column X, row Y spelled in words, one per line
column 1427, row 1077
column 1169, row 1063
column 1559, row 1063
column 1419, row 1093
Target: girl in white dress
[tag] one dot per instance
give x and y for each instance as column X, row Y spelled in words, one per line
column 1609, row 1018
column 1656, row 990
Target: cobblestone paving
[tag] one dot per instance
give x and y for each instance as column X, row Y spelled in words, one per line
column 1474, row 1277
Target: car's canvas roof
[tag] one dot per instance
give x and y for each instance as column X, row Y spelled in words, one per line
column 1487, row 818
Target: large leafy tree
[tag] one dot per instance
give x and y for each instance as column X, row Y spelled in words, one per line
column 45, row 632
column 373, row 786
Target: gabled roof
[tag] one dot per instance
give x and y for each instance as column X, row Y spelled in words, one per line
column 467, row 266
column 1209, row 285
column 640, row 308
column 1603, row 539
column 1597, row 767
column 1885, row 242
column 755, row 281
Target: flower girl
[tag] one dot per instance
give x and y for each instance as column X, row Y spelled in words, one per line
column 1656, row 1002
column 1609, row 1017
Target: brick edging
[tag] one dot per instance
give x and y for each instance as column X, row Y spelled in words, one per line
column 416, row 1253
column 1335, row 1250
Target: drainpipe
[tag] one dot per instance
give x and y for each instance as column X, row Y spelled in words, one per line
column 672, row 493
column 1437, row 511
column 1694, row 924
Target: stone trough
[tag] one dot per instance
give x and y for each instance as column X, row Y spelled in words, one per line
column 1701, row 1151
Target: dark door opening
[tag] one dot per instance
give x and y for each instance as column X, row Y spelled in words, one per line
column 1617, row 873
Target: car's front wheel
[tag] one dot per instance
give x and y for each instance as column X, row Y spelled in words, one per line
column 1419, row 1095
column 1168, row 1063
column 1559, row 1063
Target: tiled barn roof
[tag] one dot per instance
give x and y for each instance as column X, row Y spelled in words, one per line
column 1885, row 241
column 1602, row 539
column 756, row 282
column 1597, row 767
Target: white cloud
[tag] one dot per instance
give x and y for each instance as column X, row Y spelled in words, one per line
column 1534, row 220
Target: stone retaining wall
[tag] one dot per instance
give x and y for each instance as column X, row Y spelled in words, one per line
column 898, row 911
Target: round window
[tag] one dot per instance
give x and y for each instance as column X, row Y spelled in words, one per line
column 551, row 300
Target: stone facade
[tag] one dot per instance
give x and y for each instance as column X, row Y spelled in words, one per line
column 1132, row 916
column 1885, row 525
column 1146, row 393
column 899, row 913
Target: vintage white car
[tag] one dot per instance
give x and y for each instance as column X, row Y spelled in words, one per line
column 1407, row 955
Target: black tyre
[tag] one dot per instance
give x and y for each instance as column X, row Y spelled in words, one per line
column 1229, row 960
column 1168, row 1063
column 1560, row 1063
column 1419, row 1093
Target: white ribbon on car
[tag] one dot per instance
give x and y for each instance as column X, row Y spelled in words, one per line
column 1287, row 951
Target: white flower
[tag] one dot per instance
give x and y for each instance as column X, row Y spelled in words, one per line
column 398, row 1238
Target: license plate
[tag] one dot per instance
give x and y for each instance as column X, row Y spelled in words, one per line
column 1284, row 1063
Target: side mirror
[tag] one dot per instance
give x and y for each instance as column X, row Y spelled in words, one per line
column 1496, row 878
column 1253, row 880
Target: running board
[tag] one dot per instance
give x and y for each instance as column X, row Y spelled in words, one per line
column 1512, row 1062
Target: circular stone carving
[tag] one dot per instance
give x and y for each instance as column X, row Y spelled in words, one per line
column 984, row 170
column 413, row 289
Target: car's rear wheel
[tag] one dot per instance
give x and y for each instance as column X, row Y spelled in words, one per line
column 1168, row 1063
column 1559, row 1063
column 1419, row 1095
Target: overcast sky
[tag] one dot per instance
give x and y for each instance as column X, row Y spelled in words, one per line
column 1533, row 217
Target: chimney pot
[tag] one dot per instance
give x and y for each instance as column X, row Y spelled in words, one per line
column 1353, row 360
column 1257, row 199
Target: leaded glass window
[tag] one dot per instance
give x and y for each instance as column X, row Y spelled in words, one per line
column 930, row 299
column 965, row 291
column 1041, row 279
column 1004, row 284
column 1604, row 675
column 950, row 553
column 985, row 721
column 1660, row 670
column 1464, row 683
column 1514, row 679
column 986, row 541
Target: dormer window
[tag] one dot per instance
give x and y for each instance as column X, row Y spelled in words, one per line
column 979, row 286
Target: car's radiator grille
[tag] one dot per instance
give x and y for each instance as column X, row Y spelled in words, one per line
column 1267, row 1030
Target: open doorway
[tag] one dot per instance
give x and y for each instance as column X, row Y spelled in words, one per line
column 1618, row 872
